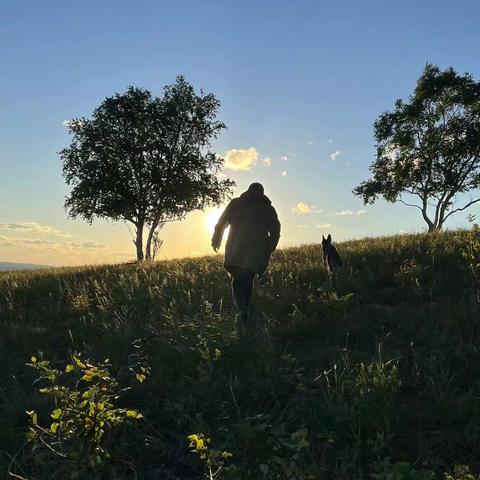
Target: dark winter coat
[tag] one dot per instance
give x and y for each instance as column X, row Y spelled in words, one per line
column 254, row 232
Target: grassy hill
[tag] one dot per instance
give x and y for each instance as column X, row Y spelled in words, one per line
column 374, row 374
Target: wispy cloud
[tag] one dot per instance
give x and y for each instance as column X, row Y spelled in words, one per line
column 302, row 208
column 330, row 140
column 284, row 173
column 349, row 213
column 284, row 158
column 33, row 227
column 29, row 243
column 310, row 142
column 241, row 159
column 6, row 241
column 88, row 245
column 267, row 162
column 324, row 225
column 45, row 244
column 335, row 154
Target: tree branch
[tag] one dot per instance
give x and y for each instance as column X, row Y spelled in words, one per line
column 462, row 208
column 409, row 204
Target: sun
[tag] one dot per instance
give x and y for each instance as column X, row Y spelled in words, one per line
column 211, row 218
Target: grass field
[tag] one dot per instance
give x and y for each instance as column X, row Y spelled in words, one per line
column 373, row 374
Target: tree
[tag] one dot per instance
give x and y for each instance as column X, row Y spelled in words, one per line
column 429, row 148
column 145, row 160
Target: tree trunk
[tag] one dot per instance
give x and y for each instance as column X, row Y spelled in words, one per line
column 148, row 248
column 151, row 232
column 139, row 242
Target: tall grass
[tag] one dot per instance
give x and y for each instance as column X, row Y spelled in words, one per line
column 342, row 379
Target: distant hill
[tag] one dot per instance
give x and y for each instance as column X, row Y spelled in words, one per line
column 6, row 266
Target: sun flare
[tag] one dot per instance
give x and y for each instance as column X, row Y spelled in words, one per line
column 211, row 218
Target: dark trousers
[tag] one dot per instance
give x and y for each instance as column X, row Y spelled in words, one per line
column 242, row 287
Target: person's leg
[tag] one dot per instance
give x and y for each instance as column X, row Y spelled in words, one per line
column 237, row 291
column 245, row 287
column 248, row 286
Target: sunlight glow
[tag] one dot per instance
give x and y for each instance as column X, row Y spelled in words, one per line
column 211, row 218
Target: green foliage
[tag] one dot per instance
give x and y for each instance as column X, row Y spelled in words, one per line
column 428, row 148
column 461, row 472
column 471, row 253
column 400, row 471
column 214, row 459
column 84, row 397
column 145, row 160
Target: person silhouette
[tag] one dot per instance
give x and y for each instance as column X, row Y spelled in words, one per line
column 253, row 237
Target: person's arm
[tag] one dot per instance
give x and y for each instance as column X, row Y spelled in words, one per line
column 220, row 227
column 274, row 230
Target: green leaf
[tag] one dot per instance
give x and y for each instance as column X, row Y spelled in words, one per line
column 33, row 416
column 78, row 362
column 134, row 414
column 57, row 413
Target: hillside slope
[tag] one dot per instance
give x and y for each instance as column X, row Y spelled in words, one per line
column 9, row 267
column 342, row 378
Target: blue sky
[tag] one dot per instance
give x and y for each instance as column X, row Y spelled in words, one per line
column 297, row 79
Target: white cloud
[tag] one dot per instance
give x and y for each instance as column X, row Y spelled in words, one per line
column 88, row 245
column 335, row 154
column 310, row 142
column 241, row 159
column 6, row 241
column 29, row 243
column 50, row 245
column 284, row 158
column 302, row 208
column 33, row 227
column 324, row 225
column 330, row 140
column 267, row 162
column 284, row 173
column 349, row 213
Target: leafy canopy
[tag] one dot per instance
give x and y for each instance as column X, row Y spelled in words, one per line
column 429, row 147
column 145, row 159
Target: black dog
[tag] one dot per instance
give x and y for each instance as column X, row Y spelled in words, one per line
column 331, row 258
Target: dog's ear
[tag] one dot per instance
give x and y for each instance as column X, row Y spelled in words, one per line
column 329, row 238
column 323, row 238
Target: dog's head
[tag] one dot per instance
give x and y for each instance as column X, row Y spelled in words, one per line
column 326, row 241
